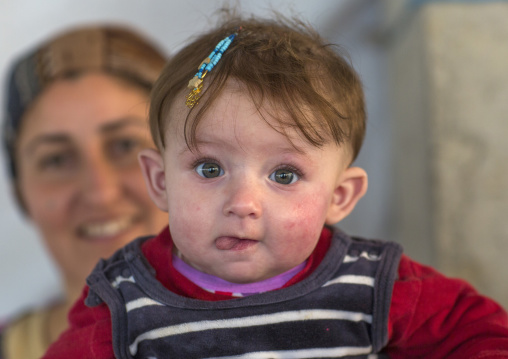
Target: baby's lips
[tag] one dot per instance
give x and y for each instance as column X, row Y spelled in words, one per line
column 233, row 243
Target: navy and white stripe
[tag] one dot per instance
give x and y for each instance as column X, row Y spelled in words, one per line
column 339, row 352
column 248, row 322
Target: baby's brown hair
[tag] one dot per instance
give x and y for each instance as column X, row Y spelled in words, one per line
column 308, row 84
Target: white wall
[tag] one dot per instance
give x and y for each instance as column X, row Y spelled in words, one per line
column 27, row 276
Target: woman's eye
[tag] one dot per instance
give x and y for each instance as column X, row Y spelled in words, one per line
column 122, row 147
column 56, row 162
column 284, row 176
column 209, row 170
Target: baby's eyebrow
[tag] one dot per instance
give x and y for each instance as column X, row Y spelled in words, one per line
column 186, row 148
column 293, row 150
column 200, row 143
column 209, row 142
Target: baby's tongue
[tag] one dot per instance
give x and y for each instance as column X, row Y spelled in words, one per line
column 232, row 243
column 226, row 243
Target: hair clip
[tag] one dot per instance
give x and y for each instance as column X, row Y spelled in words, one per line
column 196, row 83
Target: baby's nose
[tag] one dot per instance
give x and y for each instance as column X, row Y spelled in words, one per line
column 243, row 200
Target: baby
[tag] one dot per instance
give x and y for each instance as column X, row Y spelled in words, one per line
column 254, row 166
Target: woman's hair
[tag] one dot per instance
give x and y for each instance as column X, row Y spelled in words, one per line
column 308, row 83
column 115, row 50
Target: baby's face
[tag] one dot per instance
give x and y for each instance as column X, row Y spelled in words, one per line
column 247, row 205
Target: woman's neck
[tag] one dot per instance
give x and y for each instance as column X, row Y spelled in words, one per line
column 57, row 320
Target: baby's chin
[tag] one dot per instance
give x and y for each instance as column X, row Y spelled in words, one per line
column 235, row 273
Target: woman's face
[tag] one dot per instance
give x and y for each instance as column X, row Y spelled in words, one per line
column 79, row 177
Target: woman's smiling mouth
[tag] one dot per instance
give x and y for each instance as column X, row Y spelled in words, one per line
column 108, row 228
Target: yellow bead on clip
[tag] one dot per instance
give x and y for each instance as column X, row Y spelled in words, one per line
column 194, row 82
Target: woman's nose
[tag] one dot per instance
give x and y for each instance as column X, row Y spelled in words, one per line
column 243, row 199
column 101, row 182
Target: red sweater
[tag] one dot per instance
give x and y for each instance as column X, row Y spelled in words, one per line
column 431, row 316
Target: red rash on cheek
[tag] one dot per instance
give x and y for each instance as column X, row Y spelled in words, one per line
column 290, row 225
column 305, row 215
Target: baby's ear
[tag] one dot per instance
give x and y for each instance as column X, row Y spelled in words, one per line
column 350, row 187
column 152, row 167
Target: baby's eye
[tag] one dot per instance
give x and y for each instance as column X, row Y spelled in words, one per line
column 284, row 176
column 209, row 170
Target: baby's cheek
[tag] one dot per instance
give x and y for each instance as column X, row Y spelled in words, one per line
column 183, row 216
column 310, row 208
column 305, row 220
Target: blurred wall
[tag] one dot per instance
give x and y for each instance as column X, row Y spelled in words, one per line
column 27, row 276
column 449, row 81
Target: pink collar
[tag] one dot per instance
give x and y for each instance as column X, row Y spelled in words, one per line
column 215, row 284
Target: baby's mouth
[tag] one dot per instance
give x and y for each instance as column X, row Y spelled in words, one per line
column 106, row 228
column 233, row 243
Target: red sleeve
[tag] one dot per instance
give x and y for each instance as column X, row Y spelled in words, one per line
column 432, row 316
column 88, row 335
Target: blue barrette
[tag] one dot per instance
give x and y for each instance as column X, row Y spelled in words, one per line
column 196, row 83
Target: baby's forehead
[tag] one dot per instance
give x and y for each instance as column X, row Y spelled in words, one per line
column 238, row 101
column 236, row 104
column 234, row 121
column 230, row 109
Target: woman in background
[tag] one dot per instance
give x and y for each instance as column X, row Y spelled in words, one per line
column 76, row 118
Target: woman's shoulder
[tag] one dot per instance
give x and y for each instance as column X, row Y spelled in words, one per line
column 26, row 336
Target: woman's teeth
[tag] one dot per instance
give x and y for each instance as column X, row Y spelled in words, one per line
column 105, row 229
